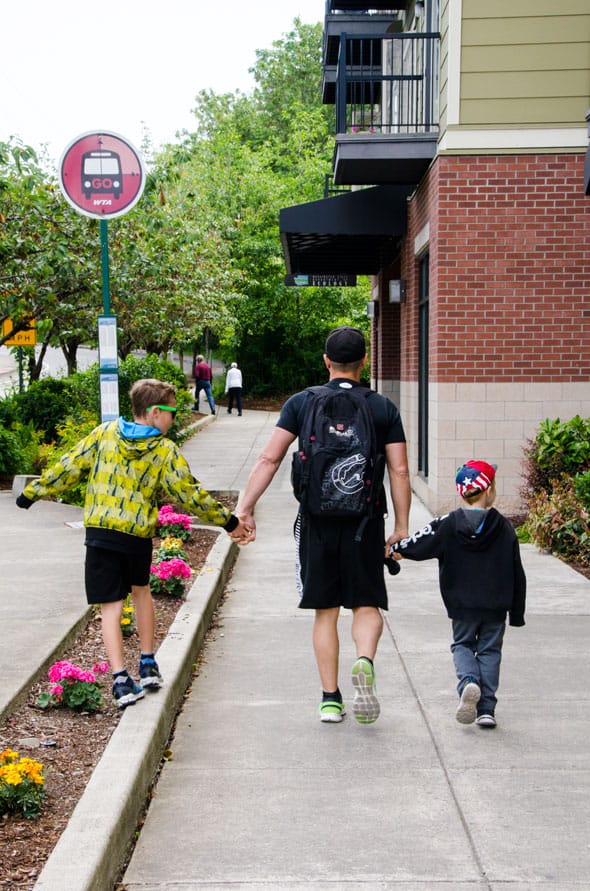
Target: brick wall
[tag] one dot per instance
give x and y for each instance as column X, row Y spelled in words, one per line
column 509, row 266
column 509, row 245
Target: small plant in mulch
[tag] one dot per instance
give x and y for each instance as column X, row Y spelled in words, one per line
column 171, row 523
column 127, row 618
column 170, row 547
column 74, row 688
column 22, row 785
column 169, row 577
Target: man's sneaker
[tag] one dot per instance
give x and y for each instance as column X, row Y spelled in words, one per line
column 331, row 711
column 149, row 675
column 486, row 719
column 366, row 705
column 126, row 691
column 467, row 708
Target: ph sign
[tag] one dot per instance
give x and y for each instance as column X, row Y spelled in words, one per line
column 101, row 175
column 24, row 337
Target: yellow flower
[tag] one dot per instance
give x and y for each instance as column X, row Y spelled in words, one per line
column 8, row 755
column 31, row 769
column 125, row 621
column 170, row 542
column 10, row 774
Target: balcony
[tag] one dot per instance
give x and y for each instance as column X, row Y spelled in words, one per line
column 386, row 96
column 384, row 84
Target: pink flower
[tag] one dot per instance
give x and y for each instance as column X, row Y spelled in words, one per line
column 100, row 668
column 86, row 676
column 67, row 671
column 57, row 690
column 168, row 517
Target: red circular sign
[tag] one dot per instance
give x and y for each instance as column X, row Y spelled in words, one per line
column 101, row 175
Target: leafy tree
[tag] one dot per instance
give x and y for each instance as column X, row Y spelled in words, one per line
column 47, row 267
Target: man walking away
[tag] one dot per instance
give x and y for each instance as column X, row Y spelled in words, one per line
column 341, row 557
column 203, row 379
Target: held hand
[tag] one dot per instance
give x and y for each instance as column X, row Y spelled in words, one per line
column 245, row 531
column 393, row 538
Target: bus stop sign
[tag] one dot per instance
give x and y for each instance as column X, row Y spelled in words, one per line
column 101, row 175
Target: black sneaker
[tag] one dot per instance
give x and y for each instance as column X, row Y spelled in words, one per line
column 149, row 675
column 126, row 691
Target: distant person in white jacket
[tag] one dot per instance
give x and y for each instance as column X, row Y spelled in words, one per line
column 233, row 387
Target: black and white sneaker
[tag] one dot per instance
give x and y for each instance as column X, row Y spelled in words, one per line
column 149, row 675
column 126, row 691
column 486, row 720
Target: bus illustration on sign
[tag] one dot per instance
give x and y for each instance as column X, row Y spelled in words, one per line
column 101, row 173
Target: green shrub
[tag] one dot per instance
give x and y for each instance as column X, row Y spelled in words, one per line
column 558, row 522
column 18, row 449
column 68, row 435
column 47, row 403
column 9, row 411
column 560, row 448
column 582, row 485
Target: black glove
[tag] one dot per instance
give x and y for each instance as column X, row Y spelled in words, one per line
column 23, row 501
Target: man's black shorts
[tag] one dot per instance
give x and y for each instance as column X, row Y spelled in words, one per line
column 109, row 574
column 335, row 570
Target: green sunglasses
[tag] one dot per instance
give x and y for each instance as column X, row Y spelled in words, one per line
column 165, row 408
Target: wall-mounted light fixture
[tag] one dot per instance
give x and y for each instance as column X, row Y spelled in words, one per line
column 397, row 290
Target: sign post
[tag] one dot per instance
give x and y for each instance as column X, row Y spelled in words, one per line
column 102, row 176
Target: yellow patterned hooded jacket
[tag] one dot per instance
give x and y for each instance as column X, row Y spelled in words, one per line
column 130, row 469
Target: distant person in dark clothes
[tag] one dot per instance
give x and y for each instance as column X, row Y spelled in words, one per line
column 203, row 379
column 233, row 388
column 481, row 580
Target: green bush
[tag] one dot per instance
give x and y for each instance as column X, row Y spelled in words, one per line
column 47, row 403
column 582, row 485
column 560, row 448
column 558, row 522
column 557, row 488
column 9, row 411
column 18, row 449
column 68, row 435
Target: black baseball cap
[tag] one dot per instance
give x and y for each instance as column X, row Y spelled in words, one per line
column 345, row 345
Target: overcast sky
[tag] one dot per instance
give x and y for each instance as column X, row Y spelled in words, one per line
column 68, row 67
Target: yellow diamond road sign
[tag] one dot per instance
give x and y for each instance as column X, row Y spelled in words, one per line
column 28, row 337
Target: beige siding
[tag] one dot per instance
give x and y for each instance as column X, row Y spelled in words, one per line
column 525, row 63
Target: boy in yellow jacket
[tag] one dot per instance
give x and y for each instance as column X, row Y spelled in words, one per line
column 129, row 466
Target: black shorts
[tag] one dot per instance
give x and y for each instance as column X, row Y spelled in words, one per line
column 109, row 574
column 335, row 570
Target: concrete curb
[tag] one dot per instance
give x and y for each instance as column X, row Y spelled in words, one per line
column 92, row 848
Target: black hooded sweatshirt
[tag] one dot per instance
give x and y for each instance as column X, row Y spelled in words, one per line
column 480, row 572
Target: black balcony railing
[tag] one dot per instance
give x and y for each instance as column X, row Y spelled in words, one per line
column 387, row 84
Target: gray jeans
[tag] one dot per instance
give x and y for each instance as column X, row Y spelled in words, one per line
column 477, row 653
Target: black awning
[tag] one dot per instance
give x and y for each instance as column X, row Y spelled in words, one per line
column 355, row 233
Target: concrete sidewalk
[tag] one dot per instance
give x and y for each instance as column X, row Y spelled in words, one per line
column 259, row 794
